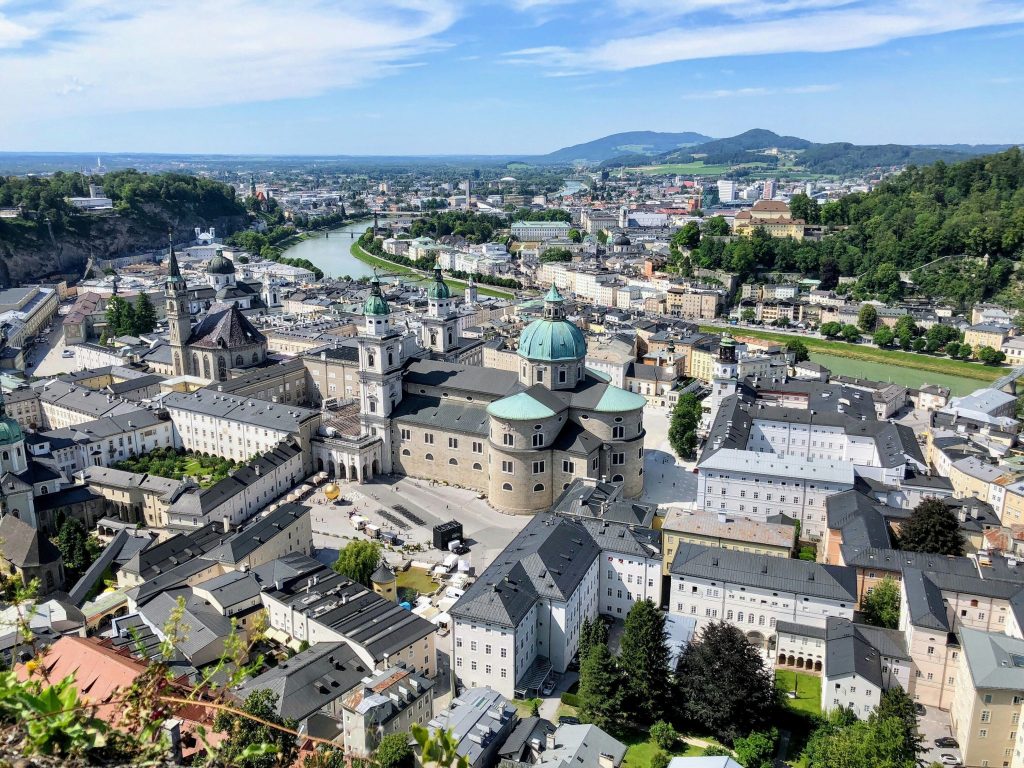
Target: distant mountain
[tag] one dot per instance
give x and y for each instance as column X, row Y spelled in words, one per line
column 630, row 143
column 833, row 158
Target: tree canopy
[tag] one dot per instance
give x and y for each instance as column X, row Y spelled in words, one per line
column 682, row 431
column 723, row 685
column 244, row 733
column 600, row 691
column 932, row 527
column 881, row 605
column 644, row 661
column 358, row 560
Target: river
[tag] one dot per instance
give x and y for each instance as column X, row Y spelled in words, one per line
column 332, row 251
column 569, row 189
column 908, row 377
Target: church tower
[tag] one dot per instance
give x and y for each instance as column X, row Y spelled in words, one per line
column 726, row 379
column 380, row 370
column 471, row 292
column 440, row 326
column 178, row 320
column 270, row 294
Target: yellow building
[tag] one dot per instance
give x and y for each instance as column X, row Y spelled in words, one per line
column 983, row 335
column 683, row 526
column 771, row 215
column 987, row 698
column 686, row 302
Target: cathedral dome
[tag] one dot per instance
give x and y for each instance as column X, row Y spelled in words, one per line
column 10, row 432
column 439, row 288
column 552, row 337
column 220, row 265
column 375, row 303
column 622, row 240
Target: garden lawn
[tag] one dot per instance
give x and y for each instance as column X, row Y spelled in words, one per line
column 418, row 579
column 808, row 691
column 641, row 749
column 920, row 362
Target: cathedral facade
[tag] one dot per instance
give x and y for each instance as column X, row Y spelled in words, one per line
column 518, row 437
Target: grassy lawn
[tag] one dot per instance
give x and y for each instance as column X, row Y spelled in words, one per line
column 375, row 261
column 875, row 355
column 417, row 579
column 808, row 690
column 165, row 462
column 640, row 750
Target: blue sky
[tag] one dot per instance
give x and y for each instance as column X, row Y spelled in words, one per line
column 501, row 76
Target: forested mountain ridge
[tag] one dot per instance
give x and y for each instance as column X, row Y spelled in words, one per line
column 973, row 209
column 55, row 238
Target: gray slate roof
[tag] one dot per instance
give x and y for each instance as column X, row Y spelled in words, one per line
column 547, row 559
column 830, row 582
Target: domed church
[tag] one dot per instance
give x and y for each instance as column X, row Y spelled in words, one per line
column 519, row 437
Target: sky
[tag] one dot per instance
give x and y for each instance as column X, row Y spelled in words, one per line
column 414, row 77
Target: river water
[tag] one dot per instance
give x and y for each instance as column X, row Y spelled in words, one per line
column 332, row 251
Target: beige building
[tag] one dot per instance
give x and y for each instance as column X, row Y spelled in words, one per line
column 984, row 335
column 388, row 702
column 683, row 526
column 686, row 302
column 132, row 497
column 771, row 215
column 333, row 373
column 988, row 694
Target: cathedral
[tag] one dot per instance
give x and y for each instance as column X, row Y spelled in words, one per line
column 519, row 437
column 224, row 340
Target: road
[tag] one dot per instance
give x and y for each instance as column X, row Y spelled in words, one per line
column 51, row 363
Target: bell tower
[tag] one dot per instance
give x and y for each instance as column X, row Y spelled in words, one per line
column 178, row 316
column 380, row 370
column 440, row 326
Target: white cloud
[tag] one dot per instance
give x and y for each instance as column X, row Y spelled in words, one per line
column 152, row 54
column 732, row 93
column 805, row 28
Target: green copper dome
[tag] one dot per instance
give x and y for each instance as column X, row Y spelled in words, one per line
column 220, row 265
column 553, row 337
column 10, row 432
column 375, row 303
column 439, row 288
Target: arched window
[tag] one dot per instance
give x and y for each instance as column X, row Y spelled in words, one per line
column 429, row 457
column 42, row 490
column 449, row 337
column 239, row 361
column 617, row 479
column 476, row 466
column 453, row 462
column 370, row 358
column 391, row 358
column 406, row 452
column 222, row 368
column 506, row 486
column 7, row 456
column 562, row 375
column 255, row 357
column 206, row 367
column 195, row 364
column 538, row 487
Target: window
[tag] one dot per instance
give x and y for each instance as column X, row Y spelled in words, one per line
column 538, row 440
column 983, row 733
column 506, row 486
column 540, row 375
column 568, row 467
column 618, row 458
column 453, row 442
column 429, row 457
column 538, row 467
column 453, row 462
column 478, row 447
column 428, row 438
column 986, row 716
column 406, row 452
column 618, row 433
column 508, row 439
column 476, row 466
column 507, row 467
column 538, row 487
column 406, row 434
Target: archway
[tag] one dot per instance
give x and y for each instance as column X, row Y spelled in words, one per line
column 366, row 472
column 799, row 662
column 353, row 473
column 376, row 467
column 342, row 473
column 791, row 660
column 817, row 666
column 319, row 465
column 756, row 639
column 782, row 658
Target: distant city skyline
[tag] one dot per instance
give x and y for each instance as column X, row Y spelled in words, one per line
column 435, row 77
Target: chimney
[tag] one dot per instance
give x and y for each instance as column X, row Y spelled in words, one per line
column 172, row 727
column 227, row 524
column 549, row 742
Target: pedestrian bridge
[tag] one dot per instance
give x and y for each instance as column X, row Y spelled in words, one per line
column 1008, row 383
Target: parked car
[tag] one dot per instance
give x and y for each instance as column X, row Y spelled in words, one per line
column 549, row 686
column 68, row 353
column 568, row 720
column 948, row 759
column 947, row 741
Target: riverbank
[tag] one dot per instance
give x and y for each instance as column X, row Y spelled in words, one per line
column 927, row 363
column 375, row 261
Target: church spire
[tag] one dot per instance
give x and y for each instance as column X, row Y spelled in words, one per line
column 173, row 272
